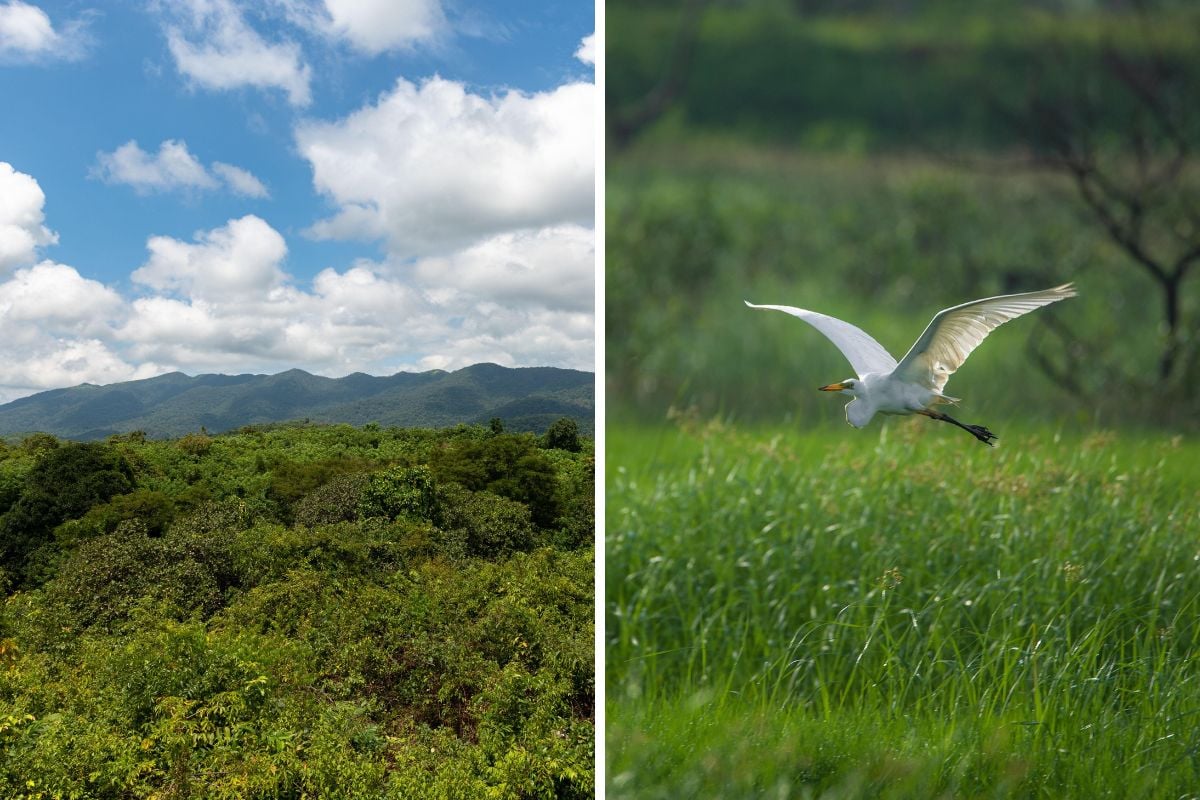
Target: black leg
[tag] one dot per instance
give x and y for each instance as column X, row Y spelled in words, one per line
column 978, row 431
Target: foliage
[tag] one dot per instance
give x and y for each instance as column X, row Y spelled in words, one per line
column 195, row 444
column 563, row 434
column 64, row 483
column 895, row 614
column 766, row 72
column 153, row 509
column 335, row 501
column 296, row 611
column 509, row 465
column 490, row 525
column 400, row 492
column 293, row 480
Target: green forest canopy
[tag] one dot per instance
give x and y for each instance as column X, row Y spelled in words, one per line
column 297, row 611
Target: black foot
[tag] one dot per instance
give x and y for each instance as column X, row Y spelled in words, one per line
column 982, row 434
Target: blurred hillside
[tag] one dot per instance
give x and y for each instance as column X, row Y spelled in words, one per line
column 881, row 161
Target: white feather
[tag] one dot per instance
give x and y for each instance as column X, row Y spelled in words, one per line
column 864, row 353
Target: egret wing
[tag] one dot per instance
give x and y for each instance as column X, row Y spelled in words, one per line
column 864, row 353
column 955, row 332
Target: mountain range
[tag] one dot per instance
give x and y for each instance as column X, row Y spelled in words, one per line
column 525, row 398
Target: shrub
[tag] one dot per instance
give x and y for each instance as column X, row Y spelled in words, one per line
column 335, row 501
column 400, row 491
column 195, row 444
column 508, row 465
column 152, row 508
column 490, row 525
column 106, row 578
column 291, row 481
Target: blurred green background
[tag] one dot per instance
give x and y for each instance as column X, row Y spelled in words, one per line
column 879, row 161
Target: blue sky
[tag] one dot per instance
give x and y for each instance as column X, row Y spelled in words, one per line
column 336, row 185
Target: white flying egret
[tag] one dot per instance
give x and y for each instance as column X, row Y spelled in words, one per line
column 914, row 386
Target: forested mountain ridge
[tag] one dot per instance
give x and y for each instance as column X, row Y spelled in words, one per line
column 526, row 399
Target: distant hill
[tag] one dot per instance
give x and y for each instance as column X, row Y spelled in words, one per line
column 526, row 399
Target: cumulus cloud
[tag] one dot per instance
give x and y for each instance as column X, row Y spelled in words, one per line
column 57, row 329
column 587, row 50
column 172, row 167
column 435, row 167
column 242, row 256
column 375, row 26
column 485, row 203
column 59, row 299
column 223, row 302
column 216, row 48
column 50, row 363
column 550, row 268
column 27, row 35
column 22, row 230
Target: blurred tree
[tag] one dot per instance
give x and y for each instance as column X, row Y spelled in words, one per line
column 1121, row 122
column 630, row 120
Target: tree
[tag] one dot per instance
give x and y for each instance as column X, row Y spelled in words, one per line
column 63, row 485
column 625, row 124
column 400, row 492
column 563, row 434
column 1122, row 124
column 508, row 465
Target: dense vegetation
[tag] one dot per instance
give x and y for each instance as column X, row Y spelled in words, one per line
column 298, row 611
column 874, row 75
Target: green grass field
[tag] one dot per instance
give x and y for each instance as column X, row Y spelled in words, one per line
column 901, row 612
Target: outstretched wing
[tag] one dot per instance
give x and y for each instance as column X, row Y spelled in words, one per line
column 864, row 353
column 955, row 332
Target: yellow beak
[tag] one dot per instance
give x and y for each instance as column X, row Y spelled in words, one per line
column 833, row 387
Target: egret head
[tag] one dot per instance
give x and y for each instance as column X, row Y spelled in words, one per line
column 849, row 386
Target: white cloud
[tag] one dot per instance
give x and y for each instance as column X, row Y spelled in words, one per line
column 172, row 167
column 375, row 26
column 50, row 363
column 242, row 256
column 21, row 217
column 59, row 299
column 57, row 329
column 217, row 49
column 511, row 287
column 587, row 50
column 27, row 35
column 551, row 268
column 435, row 167
column 240, row 180
column 234, row 309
